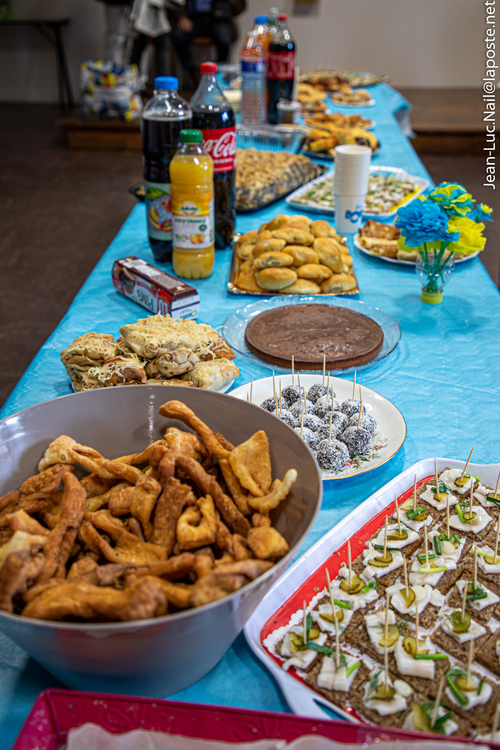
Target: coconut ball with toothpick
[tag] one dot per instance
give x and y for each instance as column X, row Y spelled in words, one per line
column 298, row 407
column 290, row 394
column 269, row 405
column 309, row 420
column 350, row 406
column 324, row 406
column 287, row 417
column 331, row 455
column 318, row 390
column 366, row 422
column 338, row 425
column 307, row 435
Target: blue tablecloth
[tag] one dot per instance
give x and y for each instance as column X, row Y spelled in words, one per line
column 444, row 377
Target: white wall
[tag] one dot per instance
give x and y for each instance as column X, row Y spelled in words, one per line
column 421, row 43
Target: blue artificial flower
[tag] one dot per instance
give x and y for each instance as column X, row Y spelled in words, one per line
column 480, row 212
column 423, row 221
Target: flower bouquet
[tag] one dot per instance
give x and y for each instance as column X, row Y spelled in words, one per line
column 439, row 226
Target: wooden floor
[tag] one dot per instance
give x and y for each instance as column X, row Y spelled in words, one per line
column 62, row 208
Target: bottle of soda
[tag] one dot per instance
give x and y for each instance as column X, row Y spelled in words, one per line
column 163, row 118
column 253, row 73
column 280, row 69
column 214, row 116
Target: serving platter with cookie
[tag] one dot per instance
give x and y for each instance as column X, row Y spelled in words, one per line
column 356, row 336
column 292, row 255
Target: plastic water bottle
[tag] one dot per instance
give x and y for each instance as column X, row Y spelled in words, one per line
column 163, row 118
column 253, row 73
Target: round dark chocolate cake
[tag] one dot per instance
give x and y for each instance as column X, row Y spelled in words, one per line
column 346, row 338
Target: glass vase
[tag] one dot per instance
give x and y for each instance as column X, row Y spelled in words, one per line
column 434, row 267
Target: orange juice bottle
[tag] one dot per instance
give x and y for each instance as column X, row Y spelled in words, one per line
column 192, row 193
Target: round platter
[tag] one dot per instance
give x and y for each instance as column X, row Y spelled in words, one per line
column 311, row 334
column 368, row 103
column 391, row 426
column 235, row 326
column 397, row 261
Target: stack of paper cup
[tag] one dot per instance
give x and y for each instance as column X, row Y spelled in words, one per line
column 350, row 185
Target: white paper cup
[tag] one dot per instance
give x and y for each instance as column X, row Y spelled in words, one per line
column 350, row 185
column 348, row 212
column 352, row 169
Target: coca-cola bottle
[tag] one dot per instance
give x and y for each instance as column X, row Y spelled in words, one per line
column 280, row 69
column 214, row 116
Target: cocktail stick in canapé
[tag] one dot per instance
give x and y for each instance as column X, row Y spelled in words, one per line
column 462, row 480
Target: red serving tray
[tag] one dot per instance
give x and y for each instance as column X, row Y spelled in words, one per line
column 55, row 712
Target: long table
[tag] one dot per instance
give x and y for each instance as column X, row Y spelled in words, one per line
column 443, row 376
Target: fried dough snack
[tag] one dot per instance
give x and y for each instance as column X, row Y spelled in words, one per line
column 180, row 524
column 294, row 255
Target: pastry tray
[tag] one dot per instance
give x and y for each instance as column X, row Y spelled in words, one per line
column 320, row 169
column 235, row 267
column 420, row 182
column 55, row 712
column 308, row 574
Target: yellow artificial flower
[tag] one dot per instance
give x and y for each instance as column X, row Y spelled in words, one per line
column 471, row 237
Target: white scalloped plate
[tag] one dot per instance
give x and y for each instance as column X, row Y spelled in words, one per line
column 391, row 426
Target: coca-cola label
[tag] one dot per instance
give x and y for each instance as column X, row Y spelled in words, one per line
column 281, row 65
column 221, row 145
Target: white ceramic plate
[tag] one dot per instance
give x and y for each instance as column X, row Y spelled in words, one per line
column 397, row 261
column 302, row 699
column 391, row 426
column 368, row 103
column 421, row 183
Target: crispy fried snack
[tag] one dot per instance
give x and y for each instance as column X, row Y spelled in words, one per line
column 251, row 463
column 182, row 523
column 60, row 540
column 82, row 601
column 174, row 497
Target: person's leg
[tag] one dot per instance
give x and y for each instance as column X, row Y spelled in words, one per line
column 116, row 32
column 222, row 34
column 138, row 48
column 182, row 45
column 162, row 61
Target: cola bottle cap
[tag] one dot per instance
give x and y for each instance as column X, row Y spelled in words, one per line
column 282, row 17
column 208, row 67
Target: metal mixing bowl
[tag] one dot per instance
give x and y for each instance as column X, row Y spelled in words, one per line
column 164, row 655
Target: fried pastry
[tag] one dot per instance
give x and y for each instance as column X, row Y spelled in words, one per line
column 275, row 279
column 212, row 375
column 271, row 259
column 90, row 349
column 341, row 282
column 303, row 286
column 315, row 271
